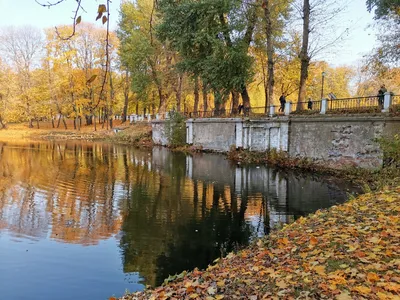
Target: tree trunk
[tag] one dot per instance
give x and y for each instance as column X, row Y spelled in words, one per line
column 94, row 122
column 205, row 103
column 30, row 123
column 304, row 56
column 235, row 102
column 219, row 103
column 3, row 126
column 137, row 108
column 126, row 97
column 65, row 123
column 76, row 115
column 246, row 99
column 78, row 124
column 37, row 123
column 196, row 96
column 270, row 53
column 161, row 96
column 59, row 120
column 179, row 93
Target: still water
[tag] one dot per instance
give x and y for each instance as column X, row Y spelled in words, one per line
column 88, row 221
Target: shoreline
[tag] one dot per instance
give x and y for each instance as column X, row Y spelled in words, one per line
column 350, row 251
column 139, row 135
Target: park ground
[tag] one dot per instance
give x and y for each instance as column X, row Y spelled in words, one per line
column 351, row 251
column 138, row 134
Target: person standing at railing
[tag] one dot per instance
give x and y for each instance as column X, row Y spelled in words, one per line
column 381, row 95
column 282, row 100
column 309, row 104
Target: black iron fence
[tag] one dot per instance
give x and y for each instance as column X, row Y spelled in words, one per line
column 355, row 104
column 372, row 104
column 307, row 107
column 396, row 100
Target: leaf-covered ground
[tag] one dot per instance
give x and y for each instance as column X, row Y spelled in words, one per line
column 351, row 251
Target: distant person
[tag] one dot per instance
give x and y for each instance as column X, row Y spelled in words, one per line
column 240, row 108
column 309, row 104
column 282, row 100
column 381, row 95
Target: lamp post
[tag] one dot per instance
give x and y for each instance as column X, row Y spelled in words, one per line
column 322, row 86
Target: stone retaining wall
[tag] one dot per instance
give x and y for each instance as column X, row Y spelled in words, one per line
column 334, row 141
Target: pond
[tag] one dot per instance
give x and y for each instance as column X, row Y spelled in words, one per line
column 81, row 220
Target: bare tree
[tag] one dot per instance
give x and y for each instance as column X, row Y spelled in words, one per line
column 322, row 29
column 21, row 48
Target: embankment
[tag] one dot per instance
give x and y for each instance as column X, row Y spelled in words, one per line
column 351, row 251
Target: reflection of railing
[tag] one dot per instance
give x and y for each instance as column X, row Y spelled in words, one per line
column 360, row 104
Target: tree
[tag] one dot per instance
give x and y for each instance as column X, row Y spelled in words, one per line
column 148, row 60
column 21, row 48
column 212, row 38
column 383, row 7
column 276, row 14
column 318, row 20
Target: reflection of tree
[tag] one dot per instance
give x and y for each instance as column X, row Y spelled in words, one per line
column 180, row 225
column 85, row 192
column 70, row 186
column 199, row 242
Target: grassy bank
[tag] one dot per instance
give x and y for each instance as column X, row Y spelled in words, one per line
column 351, row 251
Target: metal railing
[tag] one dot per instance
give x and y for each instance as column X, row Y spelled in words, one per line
column 359, row 104
column 372, row 104
column 306, row 107
column 396, row 100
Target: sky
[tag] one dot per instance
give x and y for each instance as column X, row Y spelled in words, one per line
column 360, row 40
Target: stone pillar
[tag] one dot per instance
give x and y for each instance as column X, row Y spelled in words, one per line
column 324, row 106
column 131, row 118
column 387, row 102
column 189, row 131
column 167, row 115
column 288, row 108
column 157, row 117
column 148, row 118
column 239, row 134
column 271, row 111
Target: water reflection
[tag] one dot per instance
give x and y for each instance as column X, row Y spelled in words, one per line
column 168, row 212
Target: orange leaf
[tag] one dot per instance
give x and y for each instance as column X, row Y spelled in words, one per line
column 320, row 270
column 372, row 277
column 313, row 241
column 362, row 289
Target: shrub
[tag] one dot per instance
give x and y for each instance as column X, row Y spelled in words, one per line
column 175, row 129
column 391, row 151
